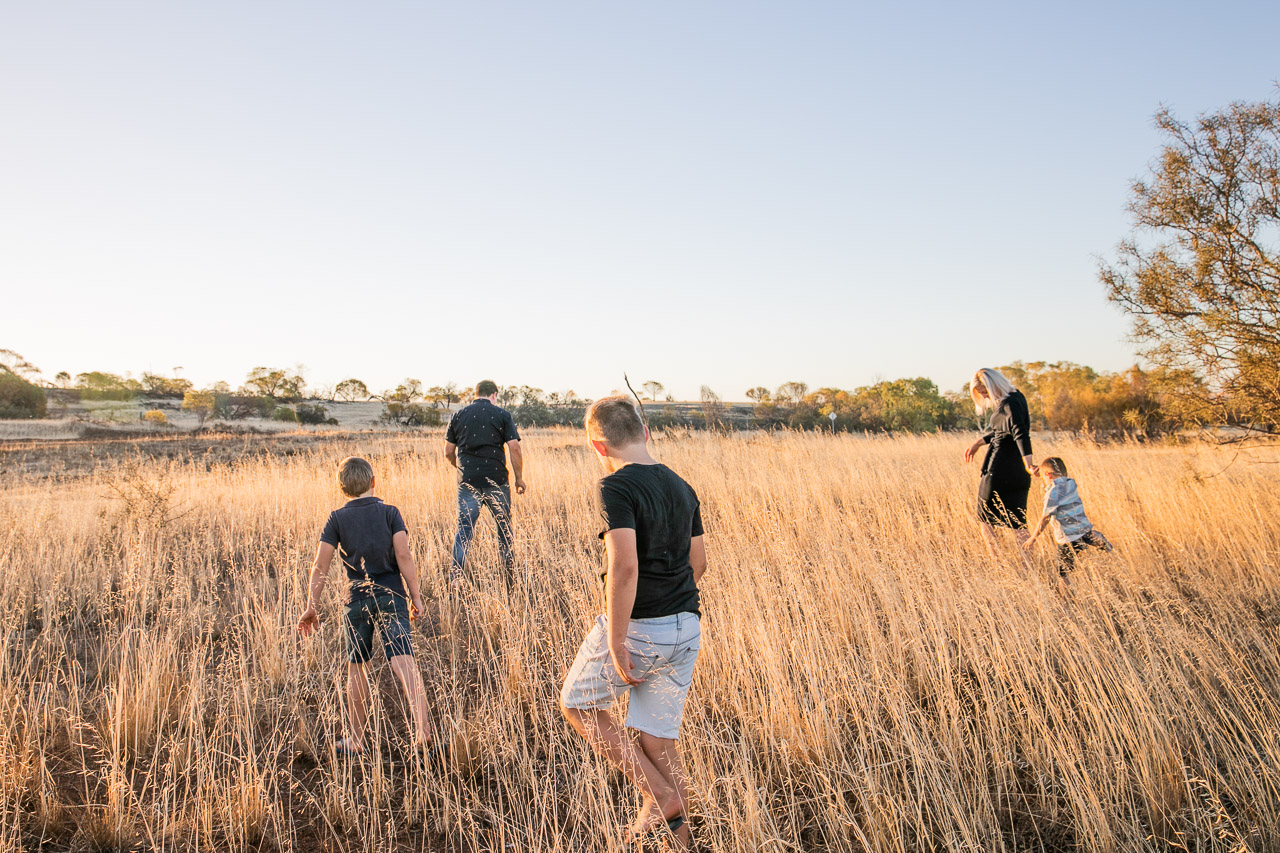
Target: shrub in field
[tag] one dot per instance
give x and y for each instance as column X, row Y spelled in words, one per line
column 312, row 413
column 20, row 398
column 200, row 403
column 163, row 386
column 96, row 385
column 155, row 417
column 237, row 407
column 409, row 414
column 286, row 414
column 532, row 407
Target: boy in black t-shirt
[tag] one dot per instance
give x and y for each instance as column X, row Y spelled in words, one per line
column 374, row 544
column 647, row 641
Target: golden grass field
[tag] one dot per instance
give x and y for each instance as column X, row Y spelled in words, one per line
column 868, row 679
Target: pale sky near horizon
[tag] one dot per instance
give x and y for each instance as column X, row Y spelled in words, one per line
column 731, row 194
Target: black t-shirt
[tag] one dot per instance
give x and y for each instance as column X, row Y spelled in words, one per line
column 361, row 530
column 664, row 512
column 481, row 430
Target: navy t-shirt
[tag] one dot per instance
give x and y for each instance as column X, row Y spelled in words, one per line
column 481, row 430
column 665, row 513
column 361, row 530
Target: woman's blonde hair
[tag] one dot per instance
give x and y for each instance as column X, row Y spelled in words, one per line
column 996, row 386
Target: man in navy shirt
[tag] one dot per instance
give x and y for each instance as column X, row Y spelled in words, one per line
column 474, row 445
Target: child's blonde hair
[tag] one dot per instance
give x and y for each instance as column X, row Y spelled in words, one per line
column 996, row 386
column 615, row 421
column 355, row 476
column 1054, row 465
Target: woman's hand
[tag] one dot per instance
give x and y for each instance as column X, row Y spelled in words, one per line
column 972, row 449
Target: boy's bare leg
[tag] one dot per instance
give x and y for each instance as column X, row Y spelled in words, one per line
column 665, row 755
column 609, row 737
column 411, row 680
column 357, row 703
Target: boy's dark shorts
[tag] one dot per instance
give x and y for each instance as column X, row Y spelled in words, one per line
column 388, row 611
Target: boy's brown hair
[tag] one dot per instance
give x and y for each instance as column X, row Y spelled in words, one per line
column 486, row 387
column 1054, row 465
column 615, row 421
column 355, row 476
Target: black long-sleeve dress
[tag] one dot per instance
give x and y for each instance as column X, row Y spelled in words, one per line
column 1002, row 493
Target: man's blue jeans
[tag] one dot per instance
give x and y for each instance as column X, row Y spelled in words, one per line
column 470, row 500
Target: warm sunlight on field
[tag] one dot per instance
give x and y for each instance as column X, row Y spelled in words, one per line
column 868, row 680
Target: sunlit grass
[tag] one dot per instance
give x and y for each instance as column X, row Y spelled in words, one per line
column 869, row 680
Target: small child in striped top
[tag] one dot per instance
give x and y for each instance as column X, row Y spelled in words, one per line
column 1062, row 505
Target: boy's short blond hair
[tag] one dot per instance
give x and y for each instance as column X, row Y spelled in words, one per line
column 615, row 421
column 355, row 476
column 1054, row 465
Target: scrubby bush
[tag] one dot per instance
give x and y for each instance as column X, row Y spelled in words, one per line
column 163, row 386
column 312, row 413
column 286, row 414
column 532, row 407
column 155, row 417
column 199, row 403
column 20, row 398
column 409, row 414
column 236, row 407
column 96, row 385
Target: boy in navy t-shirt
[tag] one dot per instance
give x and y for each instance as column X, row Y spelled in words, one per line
column 374, row 544
column 648, row 639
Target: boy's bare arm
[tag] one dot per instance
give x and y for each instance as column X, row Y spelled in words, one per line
column 315, row 586
column 451, row 453
column 408, row 571
column 620, row 595
column 1040, row 526
column 697, row 557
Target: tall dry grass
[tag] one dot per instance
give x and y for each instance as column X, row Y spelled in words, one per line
column 869, row 679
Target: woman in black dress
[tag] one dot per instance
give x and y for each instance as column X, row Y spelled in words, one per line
column 1006, row 470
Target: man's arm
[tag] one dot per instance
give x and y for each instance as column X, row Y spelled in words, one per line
column 319, row 574
column 451, row 453
column 517, row 464
column 620, row 595
column 697, row 557
column 408, row 571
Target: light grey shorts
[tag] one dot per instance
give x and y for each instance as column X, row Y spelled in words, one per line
column 663, row 651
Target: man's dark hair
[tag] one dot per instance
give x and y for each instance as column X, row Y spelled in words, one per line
column 485, row 387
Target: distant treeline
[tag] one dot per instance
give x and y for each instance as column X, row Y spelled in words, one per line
column 1062, row 396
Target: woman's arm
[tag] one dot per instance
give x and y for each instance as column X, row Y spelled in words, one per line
column 1020, row 429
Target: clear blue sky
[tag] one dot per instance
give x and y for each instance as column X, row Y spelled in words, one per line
column 551, row 193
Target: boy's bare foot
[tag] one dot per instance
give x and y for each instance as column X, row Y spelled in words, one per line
column 648, row 817
column 663, row 834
